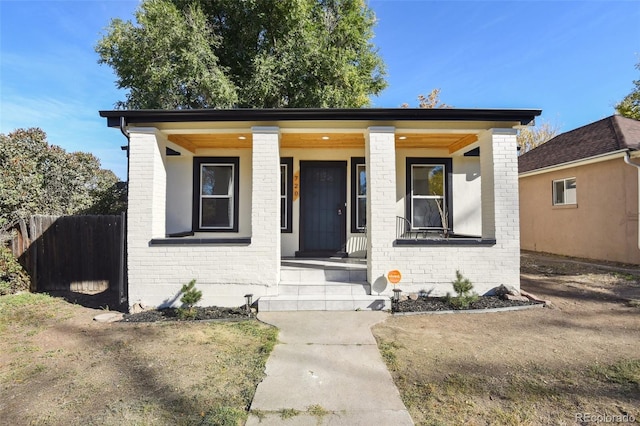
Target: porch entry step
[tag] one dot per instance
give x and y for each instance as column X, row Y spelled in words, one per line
column 325, row 288
column 323, row 284
column 313, row 275
column 323, row 303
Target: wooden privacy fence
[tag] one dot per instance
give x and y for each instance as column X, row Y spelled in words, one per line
column 84, row 254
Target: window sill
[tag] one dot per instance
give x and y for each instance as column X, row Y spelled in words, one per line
column 564, row 206
column 184, row 241
column 454, row 241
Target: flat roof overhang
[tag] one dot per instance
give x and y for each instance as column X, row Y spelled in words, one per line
column 375, row 115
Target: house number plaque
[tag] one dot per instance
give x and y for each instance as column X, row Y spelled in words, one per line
column 296, row 185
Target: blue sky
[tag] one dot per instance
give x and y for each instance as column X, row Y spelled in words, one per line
column 572, row 59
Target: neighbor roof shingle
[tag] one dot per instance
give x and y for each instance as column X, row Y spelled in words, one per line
column 607, row 135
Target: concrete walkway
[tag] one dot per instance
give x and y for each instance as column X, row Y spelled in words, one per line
column 328, row 368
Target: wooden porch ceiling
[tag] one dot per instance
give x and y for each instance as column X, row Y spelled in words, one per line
column 451, row 141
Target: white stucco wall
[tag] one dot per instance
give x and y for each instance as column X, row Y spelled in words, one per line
column 179, row 193
column 467, row 203
column 467, row 211
column 180, row 201
column 401, row 173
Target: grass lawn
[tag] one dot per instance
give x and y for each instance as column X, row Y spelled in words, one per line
column 577, row 362
column 566, row 365
column 58, row 366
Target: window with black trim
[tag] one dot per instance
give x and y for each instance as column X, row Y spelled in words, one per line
column 358, row 194
column 429, row 200
column 216, row 186
column 564, row 192
column 286, row 192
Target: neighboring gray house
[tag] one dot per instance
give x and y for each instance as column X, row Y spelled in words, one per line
column 240, row 200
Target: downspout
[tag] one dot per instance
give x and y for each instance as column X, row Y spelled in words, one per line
column 627, row 159
column 125, row 132
column 124, row 276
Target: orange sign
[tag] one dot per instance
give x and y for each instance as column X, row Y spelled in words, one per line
column 296, row 185
column 394, row 276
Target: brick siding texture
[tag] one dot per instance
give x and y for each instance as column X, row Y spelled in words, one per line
column 224, row 273
column 432, row 268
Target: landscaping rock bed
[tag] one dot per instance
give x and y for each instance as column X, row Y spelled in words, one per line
column 427, row 304
column 420, row 304
column 200, row 314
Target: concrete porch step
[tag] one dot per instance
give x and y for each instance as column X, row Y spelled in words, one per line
column 323, row 284
column 324, row 288
column 320, row 275
column 323, row 303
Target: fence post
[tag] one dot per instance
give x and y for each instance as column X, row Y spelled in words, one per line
column 33, row 254
column 122, row 293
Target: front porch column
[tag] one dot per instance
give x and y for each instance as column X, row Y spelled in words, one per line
column 146, row 207
column 500, row 209
column 265, row 205
column 380, row 158
column 147, row 192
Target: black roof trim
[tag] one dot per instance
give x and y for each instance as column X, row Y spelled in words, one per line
column 523, row 116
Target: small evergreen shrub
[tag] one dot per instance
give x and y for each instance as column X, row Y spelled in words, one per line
column 464, row 292
column 190, row 296
column 12, row 277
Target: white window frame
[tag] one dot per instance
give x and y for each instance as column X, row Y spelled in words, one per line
column 565, row 190
column 286, row 165
column 359, row 167
column 283, row 227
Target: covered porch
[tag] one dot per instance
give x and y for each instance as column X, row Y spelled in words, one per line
column 235, row 200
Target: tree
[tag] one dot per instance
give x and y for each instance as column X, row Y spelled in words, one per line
column 531, row 137
column 168, row 60
column 38, row 178
column 432, row 100
column 630, row 106
column 263, row 53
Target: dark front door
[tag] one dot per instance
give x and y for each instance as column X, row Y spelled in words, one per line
column 323, row 193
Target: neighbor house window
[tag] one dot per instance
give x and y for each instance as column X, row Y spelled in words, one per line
column 286, row 185
column 564, row 191
column 358, row 194
column 216, row 181
column 428, row 197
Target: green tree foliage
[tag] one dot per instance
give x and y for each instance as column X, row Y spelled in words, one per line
column 168, row 60
column 251, row 53
column 38, row 178
column 464, row 292
column 630, row 106
column 12, row 277
column 190, row 296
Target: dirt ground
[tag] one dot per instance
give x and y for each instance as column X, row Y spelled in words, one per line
column 539, row 366
column 566, row 364
column 58, row 366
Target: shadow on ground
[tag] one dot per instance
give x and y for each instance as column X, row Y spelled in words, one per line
column 107, row 300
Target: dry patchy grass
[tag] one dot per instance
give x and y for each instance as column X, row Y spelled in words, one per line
column 541, row 366
column 57, row 366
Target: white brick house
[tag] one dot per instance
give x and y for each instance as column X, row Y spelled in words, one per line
column 228, row 196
